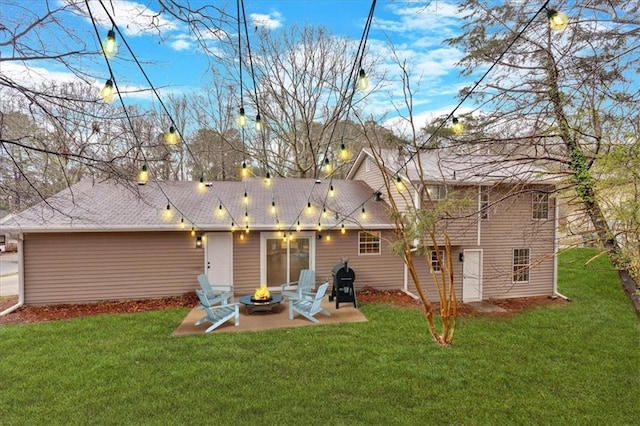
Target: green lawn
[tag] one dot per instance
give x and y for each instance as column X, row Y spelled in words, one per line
column 554, row 365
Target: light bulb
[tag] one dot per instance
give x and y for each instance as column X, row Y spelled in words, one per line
column 363, row 80
column 242, row 118
column 273, row 207
column 457, row 126
column 246, row 198
column 246, row 229
column 171, row 137
column 342, row 229
column 328, row 237
column 298, row 227
column 182, row 224
column 244, row 170
column 309, row 208
column 143, row 175
column 233, row 226
column 364, row 213
column 344, row 153
column 220, row 210
column 258, row 123
column 319, row 227
column 109, row 45
column 201, row 185
column 167, row 214
column 327, row 165
column 193, row 231
column 246, row 216
column 324, row 212
column 107, row 91
column 558, row 21
column 267, row 180
column 399, row 184
column 331, row 191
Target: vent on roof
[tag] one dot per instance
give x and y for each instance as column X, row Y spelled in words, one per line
column 318, row 181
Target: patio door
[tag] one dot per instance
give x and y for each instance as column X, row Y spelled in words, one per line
column 282, row 258
column 472, row 276
column 218, row 255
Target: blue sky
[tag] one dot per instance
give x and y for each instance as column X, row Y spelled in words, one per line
column 174, row 62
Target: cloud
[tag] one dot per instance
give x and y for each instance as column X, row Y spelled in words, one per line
column 180, row 44
column 131, row 17
column 271, row 21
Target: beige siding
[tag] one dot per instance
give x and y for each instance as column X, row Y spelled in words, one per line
column 383, row 271
column 510, row 226
column 427, row 281
column 86, row 267
column 246, row 262
column 375, row 179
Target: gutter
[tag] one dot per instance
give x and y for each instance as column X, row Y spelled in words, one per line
column 556, row 241
column 20, row 278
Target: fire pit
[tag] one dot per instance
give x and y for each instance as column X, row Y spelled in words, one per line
column 261, row 301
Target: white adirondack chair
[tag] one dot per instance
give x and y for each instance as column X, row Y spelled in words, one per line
column 309, row 307
column 295, row 289
column 217, row 314
column 216, row 294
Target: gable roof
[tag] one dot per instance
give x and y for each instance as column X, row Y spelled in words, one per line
column 466, row 164
column 111, row 206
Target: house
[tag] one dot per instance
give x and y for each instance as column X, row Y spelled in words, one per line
column 102, row 240
column 106, row 240
column 503, row 232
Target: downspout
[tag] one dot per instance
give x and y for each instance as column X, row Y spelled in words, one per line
column 556, row 241
column 20, row 278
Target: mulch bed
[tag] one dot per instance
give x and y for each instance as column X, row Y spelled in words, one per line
column 31, row 314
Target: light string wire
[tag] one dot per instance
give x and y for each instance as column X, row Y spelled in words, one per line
column 464, row 98
column 157, row 95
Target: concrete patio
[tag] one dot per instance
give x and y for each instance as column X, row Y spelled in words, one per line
column 271, row 320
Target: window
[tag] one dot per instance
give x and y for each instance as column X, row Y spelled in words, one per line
column 520, row 265
column 367, row 164
column 437, row 192
column 484, row 202
column 540, row 205
column 434, row 260
column 368, row 242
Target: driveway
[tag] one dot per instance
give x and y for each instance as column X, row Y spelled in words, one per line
column 8, row 274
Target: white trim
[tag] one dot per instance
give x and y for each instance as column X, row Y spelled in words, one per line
column 372, row 233
column 480, row 275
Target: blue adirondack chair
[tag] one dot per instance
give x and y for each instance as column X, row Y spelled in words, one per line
column 217, row 314
column 309, row 307
column 296, row 289
column 216, row 294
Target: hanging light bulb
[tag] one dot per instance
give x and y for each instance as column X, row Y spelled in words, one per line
column 331, row 191
column 267, row 179
column 246, row 229
column 233, row 226
column 278, row 227
column 246, row 216
column 244, row 170
column 309, row 208
column 167, row 214
column 193, row 231
column 344, row 154
column 363, row 80
column 202, row 187
column 258, row 123
column 246, row 198
column 342, row 229
column 558, row 21
column 242, row 118
column 324, row 212
column 364, row 212
column 327, row 165
column 457, row 126
column 220, row 210
column 273, row 207
column 109, row 45
column 319, row 227
column 328, row 237
column 298, row 227
column 107, row 91
column 182, row 224
column 399, row 183
column 143, row 175
column 171, row 137
column 242, row 236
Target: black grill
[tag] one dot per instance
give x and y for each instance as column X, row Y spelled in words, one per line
column 344, row 279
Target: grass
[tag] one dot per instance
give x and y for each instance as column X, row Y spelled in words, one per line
column 553, row 365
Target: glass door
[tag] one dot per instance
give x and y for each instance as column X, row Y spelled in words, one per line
column 284, row 258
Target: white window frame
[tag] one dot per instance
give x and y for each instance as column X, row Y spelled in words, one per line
column 435, row 266
column 437, row 192
column 540, row 206
column 376, row 235
column 484, row 203
column 521, row 265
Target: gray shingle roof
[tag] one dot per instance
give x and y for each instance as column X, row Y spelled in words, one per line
column 109, row 206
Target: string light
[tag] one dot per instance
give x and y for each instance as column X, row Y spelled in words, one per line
column 558, row 21
column 273, row 207
column 171, row 137
column 457, row 126
column 107, row 91
column 309, row 207
column 319, row 227
column 364, row 212
column 298, row 227
column 331, row 191
column 202, row 187
column 267, row 179
column 143, row 175
column 242, row 118
column 344, row 153
column 109, row 45
column 193, row 231
column 233, row 226
column 324, row 212
column 258, row 123
column 342, row 229
column 399, row 184
column 363, row 81
column 220, row 210
column 246, row 198
column 182, row 224
column 246, row 229
column 246, row 216
column 327, row 165
column 244, row 172
column 328, row 237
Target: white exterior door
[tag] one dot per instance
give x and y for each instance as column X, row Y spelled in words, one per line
column 472, row 276
column 218, row 255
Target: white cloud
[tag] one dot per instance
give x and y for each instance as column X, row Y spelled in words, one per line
column 180, row 44
column 131, row 17
column 271, row 21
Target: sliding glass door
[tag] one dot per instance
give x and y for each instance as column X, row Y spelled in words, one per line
column 284, row 258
